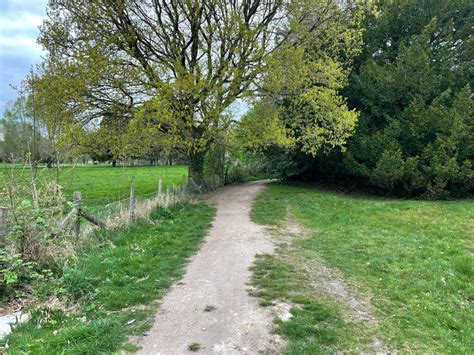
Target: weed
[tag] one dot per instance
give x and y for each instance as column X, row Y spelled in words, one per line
column 116, row 283
column 209, row 308
column 194, row 347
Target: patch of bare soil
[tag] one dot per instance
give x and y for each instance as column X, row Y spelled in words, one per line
column 210, row 310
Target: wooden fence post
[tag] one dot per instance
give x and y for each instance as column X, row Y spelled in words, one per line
column 132, row 199
column 160, row 188
column 77, row 207
column 184, row 184
column 3, row 222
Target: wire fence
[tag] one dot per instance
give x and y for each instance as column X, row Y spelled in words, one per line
column 127, row 210
column 114, row 214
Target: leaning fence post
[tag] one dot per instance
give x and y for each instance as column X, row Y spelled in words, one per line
column 3, row 222
column 184, row 184
column 132, row 199
column 77, row 207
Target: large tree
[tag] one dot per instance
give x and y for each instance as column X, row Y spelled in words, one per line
column 172, row 66
column 302, row 111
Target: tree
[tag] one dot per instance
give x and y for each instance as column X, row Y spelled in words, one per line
column 23, row 137
column 412, row 85
column 302, row 111
column 49, row 108
column 172, row 66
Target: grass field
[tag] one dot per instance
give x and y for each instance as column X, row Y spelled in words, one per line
column 114, row 284
column 101, row 185
column 413, row 259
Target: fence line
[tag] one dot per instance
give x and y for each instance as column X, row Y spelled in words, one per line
column 146, row 203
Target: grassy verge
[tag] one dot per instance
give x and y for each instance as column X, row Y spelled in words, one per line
column 113, row 286
column 413, row 257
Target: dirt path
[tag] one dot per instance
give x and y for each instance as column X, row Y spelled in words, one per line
column 211, row 310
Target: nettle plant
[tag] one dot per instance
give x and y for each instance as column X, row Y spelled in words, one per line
column 34, row 220
column 16, row 274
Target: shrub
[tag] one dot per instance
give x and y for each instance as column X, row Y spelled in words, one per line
column 15, row 274
column 34, row 242
column 413, row 88
column 34, row 221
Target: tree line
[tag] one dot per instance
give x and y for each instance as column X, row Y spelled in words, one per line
column 377, row 93
column 411, row 86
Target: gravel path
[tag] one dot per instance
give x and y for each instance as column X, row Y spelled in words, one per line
column 211, row 310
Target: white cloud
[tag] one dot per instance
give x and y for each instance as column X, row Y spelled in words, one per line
column 18, row 33
column 21, row 45
column 24, row 22
column 18, row 41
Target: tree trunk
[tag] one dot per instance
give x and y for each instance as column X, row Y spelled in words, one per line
column 196, row 171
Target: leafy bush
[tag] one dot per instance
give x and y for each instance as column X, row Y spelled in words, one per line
column 15, row 273
column 430, row 159
column 35, row 231
column 34, row 242
column 228, row 162
column 413, row 86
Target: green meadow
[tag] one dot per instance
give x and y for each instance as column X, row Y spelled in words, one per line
column 412, row 258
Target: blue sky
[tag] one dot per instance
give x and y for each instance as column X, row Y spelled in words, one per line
column 19, row 21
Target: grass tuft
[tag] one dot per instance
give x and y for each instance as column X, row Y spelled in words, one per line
column 194, row 347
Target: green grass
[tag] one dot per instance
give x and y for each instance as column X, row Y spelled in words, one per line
column 101, row 185
column 114, row 285
column 414, row 257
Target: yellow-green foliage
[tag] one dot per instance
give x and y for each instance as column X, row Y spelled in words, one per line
column 167, row 71
column 303, row 108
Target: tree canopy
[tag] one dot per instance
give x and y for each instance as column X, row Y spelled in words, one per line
column 172, row 66
column 24, row 137
column 169, row 69
column 301, row 108
column 412, row 86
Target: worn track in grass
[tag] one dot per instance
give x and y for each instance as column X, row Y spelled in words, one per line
column 210, row 310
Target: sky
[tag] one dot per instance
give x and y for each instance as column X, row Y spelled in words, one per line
column 19, row 21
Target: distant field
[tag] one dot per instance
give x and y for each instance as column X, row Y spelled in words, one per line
column 413, row 259
column 101, row 185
